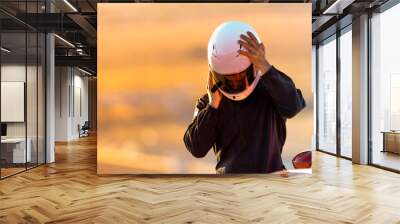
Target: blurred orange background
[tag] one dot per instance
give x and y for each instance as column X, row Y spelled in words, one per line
column 152, row 66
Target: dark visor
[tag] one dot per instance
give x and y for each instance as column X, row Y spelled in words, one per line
column 234, row 83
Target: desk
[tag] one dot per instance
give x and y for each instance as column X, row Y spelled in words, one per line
column 13, row 150
column 391, row 141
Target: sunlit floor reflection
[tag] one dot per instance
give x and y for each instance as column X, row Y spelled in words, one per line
column 386, row 159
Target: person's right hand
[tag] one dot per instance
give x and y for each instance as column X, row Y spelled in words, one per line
column 214, row 98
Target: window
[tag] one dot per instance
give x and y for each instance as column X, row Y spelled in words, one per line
column 346, row 92
column 385, row 89
column 327, row 95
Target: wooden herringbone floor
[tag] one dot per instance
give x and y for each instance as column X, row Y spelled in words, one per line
column 69, row 191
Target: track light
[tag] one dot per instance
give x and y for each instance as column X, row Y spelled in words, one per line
column 5, row 50
column 70, row 5
column 65, row 41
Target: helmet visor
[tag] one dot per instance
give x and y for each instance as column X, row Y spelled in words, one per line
column 234, row 83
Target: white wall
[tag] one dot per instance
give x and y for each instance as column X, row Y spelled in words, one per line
column 71, row 93
column 33, row 126
column 62, row 81
column 16, row 73
column 81, row 100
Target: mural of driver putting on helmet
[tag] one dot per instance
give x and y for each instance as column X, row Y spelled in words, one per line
column 243, row 115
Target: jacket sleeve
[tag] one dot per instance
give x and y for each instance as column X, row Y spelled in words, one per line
column 201, row 134
column 287, row 99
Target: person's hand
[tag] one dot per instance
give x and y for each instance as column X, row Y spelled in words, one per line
column 214, row 98
column 254, row 51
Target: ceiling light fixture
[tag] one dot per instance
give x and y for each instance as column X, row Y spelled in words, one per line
column 84, row 71
column 5, row 50
column 70, row 5
column 65, row 41
column 337, row 7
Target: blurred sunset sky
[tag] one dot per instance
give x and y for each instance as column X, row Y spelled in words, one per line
column 152, row 67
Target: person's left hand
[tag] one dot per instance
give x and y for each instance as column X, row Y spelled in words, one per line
column 254, row 51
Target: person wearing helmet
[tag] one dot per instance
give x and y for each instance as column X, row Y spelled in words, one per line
column 243, row 115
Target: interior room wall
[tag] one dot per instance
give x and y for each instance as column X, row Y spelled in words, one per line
column 62, row 78
column 27, row 74
column 80, row 109
column 16, row 72
column 71, row 87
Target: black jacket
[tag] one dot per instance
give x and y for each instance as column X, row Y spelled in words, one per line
column 247, row 135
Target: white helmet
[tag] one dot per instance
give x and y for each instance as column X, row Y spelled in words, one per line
column 233, row 73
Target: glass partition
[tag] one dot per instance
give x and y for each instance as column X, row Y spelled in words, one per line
column 13, row 109
column 22, row 88
column 31, row 99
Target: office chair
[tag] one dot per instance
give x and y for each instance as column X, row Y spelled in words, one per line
column 84, row 130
